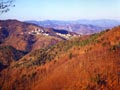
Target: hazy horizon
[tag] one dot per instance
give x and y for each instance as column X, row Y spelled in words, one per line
column 66, row 10
column 59, row 20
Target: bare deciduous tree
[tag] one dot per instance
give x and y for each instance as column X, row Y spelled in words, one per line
column 5, row 5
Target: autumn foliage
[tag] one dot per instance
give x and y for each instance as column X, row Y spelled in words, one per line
column 85, row 63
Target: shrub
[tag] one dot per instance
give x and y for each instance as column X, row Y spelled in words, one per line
column 114, row 47
column 105, row 44
column 70, row 55
column 98, row 80
column 33, row 75
column 16, row 65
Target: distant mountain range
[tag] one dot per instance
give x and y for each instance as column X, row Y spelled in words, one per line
column 79, row 26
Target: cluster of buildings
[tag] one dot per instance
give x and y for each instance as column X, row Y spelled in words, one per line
column 67, row 36
column 38, row 31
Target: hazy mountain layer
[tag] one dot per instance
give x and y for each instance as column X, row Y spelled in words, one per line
column 79, row 26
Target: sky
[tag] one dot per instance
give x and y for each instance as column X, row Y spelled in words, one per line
column 63, row 10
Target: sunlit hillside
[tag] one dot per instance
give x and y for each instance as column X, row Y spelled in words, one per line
column 85, row 63
column 59, row 44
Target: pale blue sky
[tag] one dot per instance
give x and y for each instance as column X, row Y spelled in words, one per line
column 64, row 10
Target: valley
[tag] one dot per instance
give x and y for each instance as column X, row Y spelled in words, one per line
column 34, row 57
column 59, row 44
